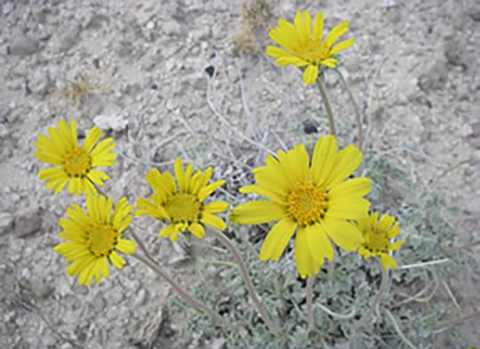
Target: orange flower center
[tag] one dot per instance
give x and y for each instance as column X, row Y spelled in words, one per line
column 312, row 51
column 307, row 204
column 182, row 208
column 77, row 163
column 102, row 239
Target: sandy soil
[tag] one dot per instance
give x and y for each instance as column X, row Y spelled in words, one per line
column 413, row 70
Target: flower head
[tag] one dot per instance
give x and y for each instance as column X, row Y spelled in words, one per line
column 302, row 49
column 95, row 236
column 377, row 235
column 182, row 204
column 313, row 199
column 74, row 164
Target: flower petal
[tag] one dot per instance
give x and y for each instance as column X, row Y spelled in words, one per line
column 319, row 244
column 213, row 221
column 336, row 33
column 303, row 259
column 258, row 212
column 388, row 261
column 344, row 234
column 318, row 27
column 310, row 74
column 277, row 239
column 342, row 46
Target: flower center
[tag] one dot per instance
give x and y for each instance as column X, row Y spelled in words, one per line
column 182, row 208
column 77, row 163
column 376, row 241
column 312, row 51
column 307, row 204
column 102, row 239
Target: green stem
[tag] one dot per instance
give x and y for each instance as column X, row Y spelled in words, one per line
column 328, row 108
column 310, row 310
column 355, row 108
column 182, row 293
column 246, row 277
column 376, row 301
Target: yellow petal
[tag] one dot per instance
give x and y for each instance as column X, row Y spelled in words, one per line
column 310, row 75
column 209, row 189
column 126, row 246
column 290, row 60
column 388, row 261
column 179, row 175
column 215, row 207
column 276, row 52
column 386, row 222
column 348, row 160
column 344, row 234
column 336, row 33
column 318, row 27
column 116, row 260
column 103, row 147
column 261, row 190
column 342, row 46
column 197, row 230
column 323, row 159
column 304, row 261
column 167, row 231
column 213, row 221
column 258, row 212
column 277, row 239
column 319, row 244
column 396, row 245
column 92, row 137
column 329, row 62
column 394, row 231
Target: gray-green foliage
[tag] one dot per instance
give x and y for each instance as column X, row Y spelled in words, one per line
column 351, row 284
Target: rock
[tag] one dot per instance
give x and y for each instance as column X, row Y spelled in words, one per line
column 6, row 222
column 69, row 38
column 475, row 129
column 4, row 111
column 110, row 122
column 27, row 224
column 40, row 82
column 435, row 76
column 171, row 27
column 147, row 63
column 3, row 131
column 7, row 8
column 455, row 53
column 150, row 25
column 21, row 45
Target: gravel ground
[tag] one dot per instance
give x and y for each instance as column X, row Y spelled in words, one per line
column 413, row 70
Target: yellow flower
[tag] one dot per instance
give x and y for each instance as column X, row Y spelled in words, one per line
column 302, row 49
column 182, row 205
column 377, row 238
column 74, row 164
column 95, row 235
column 314, row 199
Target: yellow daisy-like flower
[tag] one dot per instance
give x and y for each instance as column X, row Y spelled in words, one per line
column 314, row 199
column 95, row 235
column 74, row 164
column 377, row 235
column 182, row 205
column 301, row 48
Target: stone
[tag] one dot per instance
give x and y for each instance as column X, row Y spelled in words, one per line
column 6, row 222
column 40, row 83
column 69, row 38
column 475, row 129
column 27, row 224
column 455, row 53
column 434, row 77
column 171, row 27
column 21, row 45
column 110, row 122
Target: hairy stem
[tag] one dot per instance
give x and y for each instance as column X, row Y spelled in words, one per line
column 328, row 108
column 376, row 301
column 355, row 108
column 310, row 310
column 246, row 277
column 182, row 293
